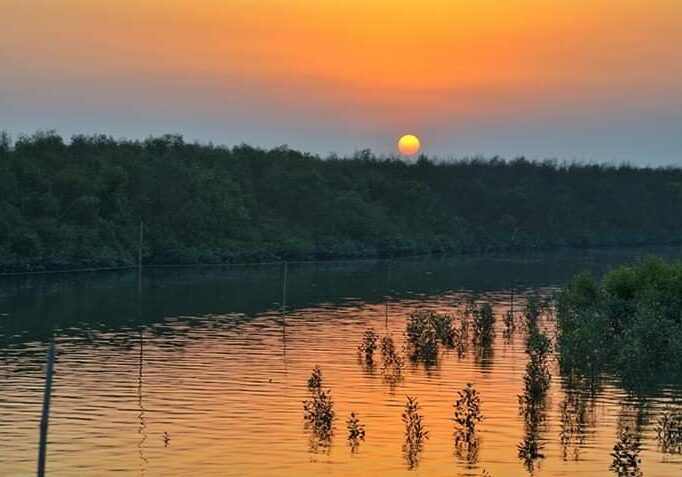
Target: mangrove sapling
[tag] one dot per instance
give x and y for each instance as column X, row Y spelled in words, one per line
column 444, row 328
column 529, row 451
column 577, row 412
column 391, row 362
column 484, row 324
column 427, row 351
column 462, row 335
column 532, row 402
column 530, row 448
column 356, row 431
column 625, row 454
column 319, row 419
column 417, row 324
column 415, row 434
column 532, row 311
column 669, row 432
column 318, row 412
column 315, row 380
column 537, row 377
column 470, row 308
column 422, row 337
column 468, row 410
column 509, row 324
column 367, row 347
column 467, row 415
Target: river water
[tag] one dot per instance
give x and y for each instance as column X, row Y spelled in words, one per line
column 198, row 371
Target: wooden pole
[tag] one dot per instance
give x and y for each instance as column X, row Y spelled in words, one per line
column 388, row 292
column 42, row 447
column 512, row 297
column 139, row 259
column 284, row 291
column 139, row 248
column 284, row 316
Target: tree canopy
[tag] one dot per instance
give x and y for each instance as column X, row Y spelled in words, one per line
column 79, row 204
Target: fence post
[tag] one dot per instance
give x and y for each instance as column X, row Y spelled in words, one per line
column 42, row 447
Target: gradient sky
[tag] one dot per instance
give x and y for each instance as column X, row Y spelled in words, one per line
column 568, row 79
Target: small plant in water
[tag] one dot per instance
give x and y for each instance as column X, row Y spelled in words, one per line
column 356, row 431
column 484, row 324
column 422, row 337
column 534, row 309
column 669, row 432
column 529, row 451
column 391, row 362
column 367, row 347
column 318, row 412
column 537, row 378
column 625, row 455
column 315, row 380
column 468, row 410
column 532, row 401
column 415, row 434
column 509, row 323
column 467, row 415
column 444, row 328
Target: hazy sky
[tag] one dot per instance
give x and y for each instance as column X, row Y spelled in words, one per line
column 569, row 79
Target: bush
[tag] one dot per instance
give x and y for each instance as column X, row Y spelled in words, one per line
column 629, row 322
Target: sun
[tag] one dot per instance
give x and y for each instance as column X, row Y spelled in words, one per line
column 409, row 144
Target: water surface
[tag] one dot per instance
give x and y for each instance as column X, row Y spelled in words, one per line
column 199, row 372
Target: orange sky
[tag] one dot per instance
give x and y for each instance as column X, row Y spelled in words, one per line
column 327, row 75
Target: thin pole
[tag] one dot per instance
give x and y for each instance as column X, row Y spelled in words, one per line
column 284, row 316
column 139, row 258
column 388, row 291
column 42, row 447
column 284, row 292
column 139, row 248
column 512, row 298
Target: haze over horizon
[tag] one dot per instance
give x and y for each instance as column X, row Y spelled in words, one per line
column 597, row 80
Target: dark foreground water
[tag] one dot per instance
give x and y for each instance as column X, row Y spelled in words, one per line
column 198, row 372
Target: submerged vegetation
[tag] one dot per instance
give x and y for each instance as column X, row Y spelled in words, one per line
column 625, row 454
column 424, row 331
column 536, row 381
column 319, row 413
column 467, row 416
column 315, row 380
column 391, row 362
column 356, row 431
column 415, row 434
column 629, row 322
column 79, row 204
column 669, row 432
column 484, row 324
column 367, row 347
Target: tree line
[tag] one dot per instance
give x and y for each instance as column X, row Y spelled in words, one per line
column 79, row 203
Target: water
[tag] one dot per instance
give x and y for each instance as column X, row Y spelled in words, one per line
column 200, row 374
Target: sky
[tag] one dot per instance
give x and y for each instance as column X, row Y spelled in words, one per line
column 590, row 80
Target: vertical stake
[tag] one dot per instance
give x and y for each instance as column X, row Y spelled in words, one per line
column 139, row 258
column 139, row 248
column 44, row 419
column 512, row 298
column 284, row 316
column 284, row 292
column 388, row 291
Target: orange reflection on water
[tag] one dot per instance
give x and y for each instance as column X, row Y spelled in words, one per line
column 227, row 391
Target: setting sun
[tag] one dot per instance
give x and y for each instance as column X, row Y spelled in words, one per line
column 409, row 144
